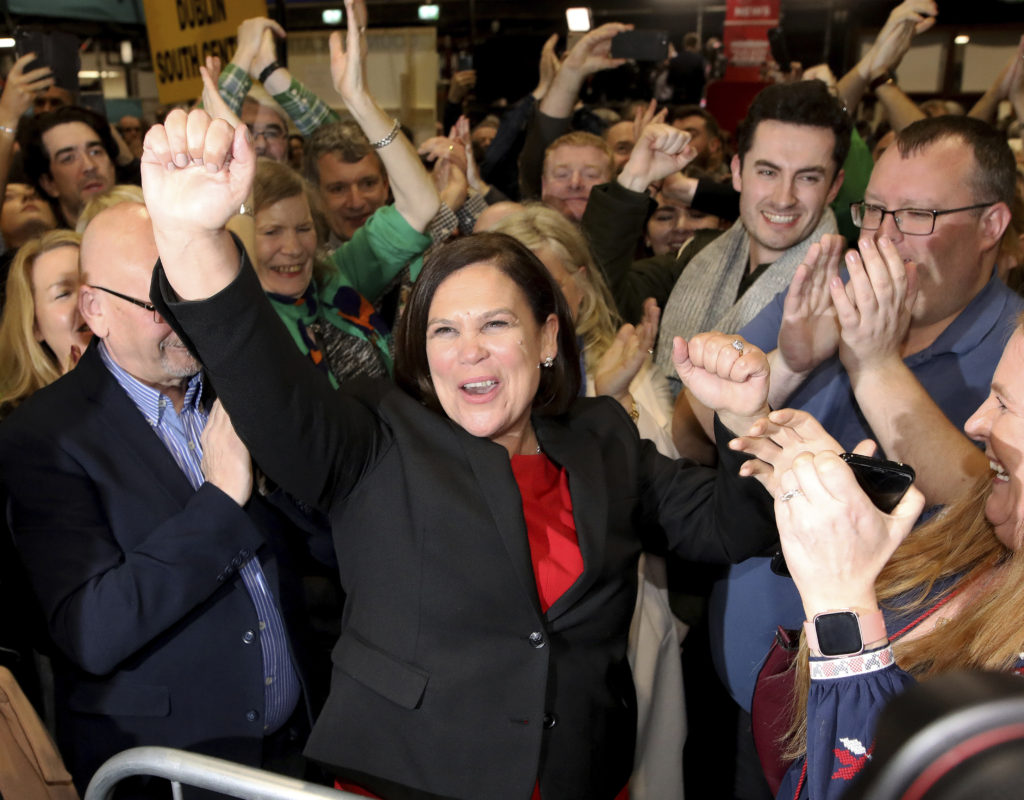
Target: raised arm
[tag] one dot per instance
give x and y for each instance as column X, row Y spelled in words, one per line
column 16, row 99
column 908, row 19
column 415, row 196
column 590, row 54
column 1007, row 86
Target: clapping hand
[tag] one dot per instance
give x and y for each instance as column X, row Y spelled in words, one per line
column 623, row 360
column 348, row 63
column 226, row 461
column 874, row 309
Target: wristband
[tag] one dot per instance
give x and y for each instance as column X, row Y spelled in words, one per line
column 886, row 77
column 269, row 70
column 380, row 143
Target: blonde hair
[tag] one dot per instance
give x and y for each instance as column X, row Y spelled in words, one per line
column 121, row 193
column 537, row 225
column 582, row 139
column 955, row 550
column 25, row 363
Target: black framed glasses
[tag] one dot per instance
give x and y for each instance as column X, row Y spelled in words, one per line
column 911, row 221
column 140, row 303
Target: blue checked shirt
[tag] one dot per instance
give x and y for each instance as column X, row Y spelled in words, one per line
column 181, row 434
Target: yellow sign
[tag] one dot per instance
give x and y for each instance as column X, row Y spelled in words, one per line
column 183, row 33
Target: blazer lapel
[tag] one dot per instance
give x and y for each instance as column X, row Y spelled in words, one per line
column 581, row 457
column 128, row 432
column 490, row 465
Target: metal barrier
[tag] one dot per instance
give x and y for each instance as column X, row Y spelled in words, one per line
column 204, row 772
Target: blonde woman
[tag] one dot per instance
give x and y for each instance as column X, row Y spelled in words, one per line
column 42, row 335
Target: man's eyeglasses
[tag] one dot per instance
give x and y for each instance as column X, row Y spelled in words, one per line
column 911, row 221
column 140, row 303
column 270, row 134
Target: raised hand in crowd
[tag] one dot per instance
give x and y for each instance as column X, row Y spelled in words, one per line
column 1008, row 85
column 16, row 99
column 416, row 198
column 724, row 373
column 462, row 135
column 196, row 173
column 211, row 99
column 659, row 151
column 645, row 116
column 623, row 360
column 548, row 67
column 253, row 53
column 462, row 84
column 590, row 54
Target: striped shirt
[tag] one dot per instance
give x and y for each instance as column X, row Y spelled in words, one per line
column 181, row 434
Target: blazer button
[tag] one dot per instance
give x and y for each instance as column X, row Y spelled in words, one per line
column 537, row 639
column 248, row 637
column 550, row 721
column 252, row 715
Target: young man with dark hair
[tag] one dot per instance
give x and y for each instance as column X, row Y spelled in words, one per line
column 69, row 156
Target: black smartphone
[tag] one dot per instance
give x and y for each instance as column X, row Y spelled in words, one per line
column 885, row 482
column 54, row 49
column 780, row 52
column 464, row 61
column 641, row 45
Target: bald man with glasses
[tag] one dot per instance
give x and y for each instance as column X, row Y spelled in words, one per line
column 900, row 349
column 167, row 582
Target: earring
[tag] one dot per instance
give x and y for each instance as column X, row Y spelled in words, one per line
column 548, row 362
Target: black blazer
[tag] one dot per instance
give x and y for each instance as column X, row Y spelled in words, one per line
column 137, row 576
column 448, row 680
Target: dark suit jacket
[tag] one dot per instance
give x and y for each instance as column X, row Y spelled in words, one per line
column 137, row 576
column 448, row 679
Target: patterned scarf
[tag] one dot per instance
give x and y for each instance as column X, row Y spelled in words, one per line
column 704, row 297
column 344, row 311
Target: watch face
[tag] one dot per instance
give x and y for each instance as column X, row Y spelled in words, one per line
column 838, row 633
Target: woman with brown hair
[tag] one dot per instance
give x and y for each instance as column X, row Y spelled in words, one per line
column 42, row 335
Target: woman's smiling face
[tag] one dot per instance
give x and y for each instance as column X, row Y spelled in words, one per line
column 999, row 425
column 484, row 349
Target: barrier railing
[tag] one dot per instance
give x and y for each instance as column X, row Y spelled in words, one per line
column 204, row 772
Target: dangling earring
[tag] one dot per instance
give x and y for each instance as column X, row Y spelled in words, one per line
column 549, row 362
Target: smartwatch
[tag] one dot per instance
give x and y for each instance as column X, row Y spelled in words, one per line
column 836, row 634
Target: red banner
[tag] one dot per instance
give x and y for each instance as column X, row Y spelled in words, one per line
column 747, row 23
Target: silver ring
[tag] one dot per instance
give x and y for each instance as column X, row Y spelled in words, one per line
column 737, row 345
column 785, row 497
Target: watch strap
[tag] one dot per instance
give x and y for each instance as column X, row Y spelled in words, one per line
column 872, row 629
column 886, row 77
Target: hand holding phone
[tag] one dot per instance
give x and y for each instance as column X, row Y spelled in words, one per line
column 884, row 482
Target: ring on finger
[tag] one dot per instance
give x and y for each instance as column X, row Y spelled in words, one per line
column 737, row 345
column 785, row 497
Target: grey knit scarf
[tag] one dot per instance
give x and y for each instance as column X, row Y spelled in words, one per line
column 703, row 298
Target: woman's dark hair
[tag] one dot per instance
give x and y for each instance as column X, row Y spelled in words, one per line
column 559, row 385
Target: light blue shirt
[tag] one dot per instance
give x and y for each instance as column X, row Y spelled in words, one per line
column 181, row 433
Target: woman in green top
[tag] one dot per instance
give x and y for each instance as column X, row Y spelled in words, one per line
column 327, row 306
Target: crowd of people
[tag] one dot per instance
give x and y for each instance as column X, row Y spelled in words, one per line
column 404, row 467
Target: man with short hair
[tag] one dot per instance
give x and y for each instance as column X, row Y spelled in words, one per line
column 791, row 147
column 132, row 132
column 161, row 573
column 268, row 126
column 573, row 165
column 705, row 136
column 348, row 175
column 69, row 155
column 902, row 355
column 51, row 99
